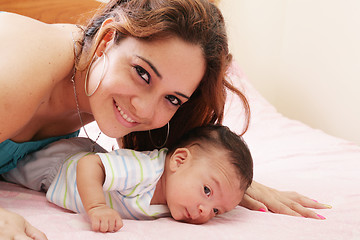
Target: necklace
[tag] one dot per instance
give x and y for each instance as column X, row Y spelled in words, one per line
column 77, row 101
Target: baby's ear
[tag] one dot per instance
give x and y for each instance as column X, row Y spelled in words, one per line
column 179, row 158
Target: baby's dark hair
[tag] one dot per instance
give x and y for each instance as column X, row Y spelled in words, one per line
column 222, row 138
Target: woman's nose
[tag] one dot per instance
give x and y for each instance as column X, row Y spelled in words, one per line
column 145, row 106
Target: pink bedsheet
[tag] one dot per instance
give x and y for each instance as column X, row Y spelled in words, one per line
column 288, row 155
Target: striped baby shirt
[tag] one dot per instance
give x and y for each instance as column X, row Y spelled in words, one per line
column 130, row 181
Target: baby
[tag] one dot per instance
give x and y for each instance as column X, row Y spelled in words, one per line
column 204, row 175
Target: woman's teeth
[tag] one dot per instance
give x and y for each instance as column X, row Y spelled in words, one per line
column 126, row 117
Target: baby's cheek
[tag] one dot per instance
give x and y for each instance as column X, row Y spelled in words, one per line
column 176, row 216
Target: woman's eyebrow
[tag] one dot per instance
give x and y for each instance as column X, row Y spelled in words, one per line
column 159, row 75
column 183, row 95
column 151, row 65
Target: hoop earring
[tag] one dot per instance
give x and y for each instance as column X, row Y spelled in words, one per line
column 87, row 75
column 167, row 136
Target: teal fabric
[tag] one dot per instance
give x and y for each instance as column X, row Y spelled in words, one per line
column 11, row 152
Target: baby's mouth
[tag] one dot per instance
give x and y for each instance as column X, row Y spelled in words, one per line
column 188, row 214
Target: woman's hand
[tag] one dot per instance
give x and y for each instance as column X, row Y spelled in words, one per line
column 262, row 198
column 14, row 226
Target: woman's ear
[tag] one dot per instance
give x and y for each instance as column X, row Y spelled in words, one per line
column 107, row 38
column 180, row 157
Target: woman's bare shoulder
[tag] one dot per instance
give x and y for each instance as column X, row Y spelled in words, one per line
column 26, row 46
column 30, row 42
column 18, row 24
column 31, row 57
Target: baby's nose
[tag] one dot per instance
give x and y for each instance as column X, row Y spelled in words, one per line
column 205, row 211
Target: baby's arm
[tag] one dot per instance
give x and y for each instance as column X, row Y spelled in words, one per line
column 90, row 177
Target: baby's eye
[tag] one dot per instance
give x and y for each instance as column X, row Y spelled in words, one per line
column 207, row 191
column 216, row 211
column 174, row 100
column 143, row 74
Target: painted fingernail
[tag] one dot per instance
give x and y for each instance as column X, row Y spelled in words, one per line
column 314, row 200
column 262, row 210
column 321, row 217
column 327, row 206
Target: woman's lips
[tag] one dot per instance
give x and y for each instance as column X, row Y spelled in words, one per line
column 123, row 117
column 126, row 117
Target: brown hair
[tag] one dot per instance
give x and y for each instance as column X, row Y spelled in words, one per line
column 198, row 22
column 218, row 138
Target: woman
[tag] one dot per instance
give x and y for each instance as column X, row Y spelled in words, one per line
column 138, row 65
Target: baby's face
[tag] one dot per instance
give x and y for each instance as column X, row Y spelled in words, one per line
column 202, row 188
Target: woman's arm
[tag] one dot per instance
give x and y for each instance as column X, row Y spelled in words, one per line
column 90, row 177
column 22, row 81
column 262, row 198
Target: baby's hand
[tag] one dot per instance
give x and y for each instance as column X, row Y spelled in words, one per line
column 105, row 219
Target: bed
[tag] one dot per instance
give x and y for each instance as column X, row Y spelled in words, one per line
column 288, row 155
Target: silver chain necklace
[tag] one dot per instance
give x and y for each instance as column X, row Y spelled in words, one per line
column 77, row 101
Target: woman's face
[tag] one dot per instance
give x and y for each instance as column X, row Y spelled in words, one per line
column 144, row 83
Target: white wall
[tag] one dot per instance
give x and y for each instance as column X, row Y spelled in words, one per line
column 303, row 56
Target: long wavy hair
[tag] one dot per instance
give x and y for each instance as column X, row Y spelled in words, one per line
column 198, row 22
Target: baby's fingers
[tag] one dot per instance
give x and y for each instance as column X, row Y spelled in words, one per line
column 118, row 224
column 95, row 224
column 104, row 226
column 114, row 225
column 109, row 225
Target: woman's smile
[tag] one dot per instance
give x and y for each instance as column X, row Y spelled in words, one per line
column 123, row 117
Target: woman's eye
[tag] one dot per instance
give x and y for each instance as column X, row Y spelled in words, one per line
column 143, row 74
column 216, row 211
column 207, row 191
column 174, row 100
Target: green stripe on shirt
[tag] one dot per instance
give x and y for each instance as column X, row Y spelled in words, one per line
column 141, row 173
column 112, row 172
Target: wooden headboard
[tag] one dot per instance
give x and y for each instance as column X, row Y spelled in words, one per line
column 53, row 11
